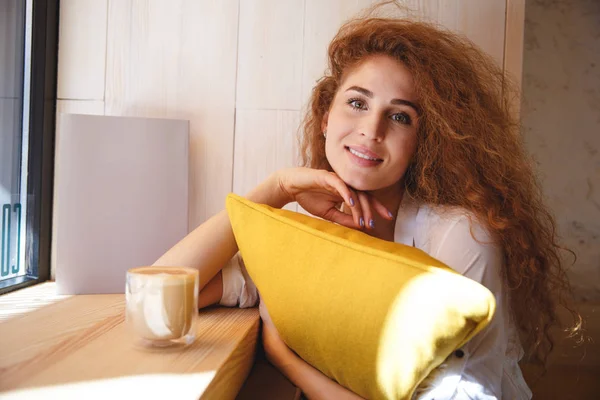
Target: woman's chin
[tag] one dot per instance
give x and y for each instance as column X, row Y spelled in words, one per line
column 364, row 182
column 360, row 184
column 366, row 185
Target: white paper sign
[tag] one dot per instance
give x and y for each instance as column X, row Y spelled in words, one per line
column 122, row 197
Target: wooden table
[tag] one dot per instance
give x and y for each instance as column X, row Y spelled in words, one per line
column 75, row 347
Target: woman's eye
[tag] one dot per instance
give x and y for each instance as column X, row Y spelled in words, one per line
column 402, row 118
column 358, row 104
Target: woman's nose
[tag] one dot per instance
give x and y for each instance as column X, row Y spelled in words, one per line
column 374, row 128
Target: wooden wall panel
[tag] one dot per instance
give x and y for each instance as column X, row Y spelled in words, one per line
column 264, row 143
column 82, row 49
column 321, row 22
column 481, row 21
column 270, row 54
column 200, row 60
column 177, row 59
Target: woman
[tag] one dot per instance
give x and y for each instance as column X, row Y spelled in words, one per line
column 410, row 131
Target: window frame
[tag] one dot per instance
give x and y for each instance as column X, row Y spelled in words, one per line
column 42, row 125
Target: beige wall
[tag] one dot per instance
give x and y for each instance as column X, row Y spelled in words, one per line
column 561, row 117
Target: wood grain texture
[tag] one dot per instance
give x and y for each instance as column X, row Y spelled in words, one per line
column 81, row 346
column 25, row 337
column 82, row 49
column 233, row 372
column 182, row 59
column 88, row 107
column 270, row 54
column 177, row 59
column 265, row 141
column 18, row 303
column 321, row 22
column 483, row 22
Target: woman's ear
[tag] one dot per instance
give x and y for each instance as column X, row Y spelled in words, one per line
column 324, row 121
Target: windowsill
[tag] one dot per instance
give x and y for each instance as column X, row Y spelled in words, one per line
column 70, row 346
column 9, row 285
column 23, row 301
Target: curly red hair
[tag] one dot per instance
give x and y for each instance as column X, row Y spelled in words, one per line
column 469, row 154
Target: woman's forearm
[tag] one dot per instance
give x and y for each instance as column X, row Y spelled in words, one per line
column 312, row 382
column 211, row 245
column 207, row 248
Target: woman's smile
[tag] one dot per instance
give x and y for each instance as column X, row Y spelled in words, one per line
column 363, row 157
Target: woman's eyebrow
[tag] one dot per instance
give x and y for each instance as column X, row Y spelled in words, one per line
column 369, row 94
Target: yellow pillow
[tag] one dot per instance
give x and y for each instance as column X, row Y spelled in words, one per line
column 375, row 316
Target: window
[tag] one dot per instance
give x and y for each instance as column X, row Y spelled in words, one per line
column 28, row 61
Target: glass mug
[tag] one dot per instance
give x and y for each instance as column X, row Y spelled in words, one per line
column 162, row 305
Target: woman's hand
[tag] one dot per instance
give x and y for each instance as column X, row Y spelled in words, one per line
column 320, row 192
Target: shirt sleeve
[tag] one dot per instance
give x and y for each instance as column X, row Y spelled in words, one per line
column 238, row 288
column 476, row 370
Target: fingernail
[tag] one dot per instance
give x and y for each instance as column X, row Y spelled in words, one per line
column 361, row 221
column 351, row 202
column 372, row 224
column 390, row 214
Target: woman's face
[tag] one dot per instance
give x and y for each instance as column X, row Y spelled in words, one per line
column 372, row 124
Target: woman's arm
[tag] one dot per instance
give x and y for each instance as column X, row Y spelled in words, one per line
column 211, row 245
column 212, row 292
column 311, row 381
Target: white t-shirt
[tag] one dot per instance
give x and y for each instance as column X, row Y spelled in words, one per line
column 487, row 367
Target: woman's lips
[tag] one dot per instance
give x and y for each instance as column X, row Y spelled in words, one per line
column 363, row 162
column 364, row 151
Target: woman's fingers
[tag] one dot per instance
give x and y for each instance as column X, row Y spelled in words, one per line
column 341, row 218
column 362, row 205
column 367, row 222
column 334, row 184
column 350, row 197
column 356, row 210
column 381, row 209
